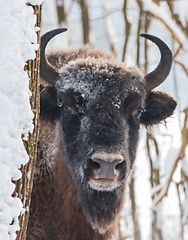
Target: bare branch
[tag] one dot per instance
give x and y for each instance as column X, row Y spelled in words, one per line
column 165, row 187
column 61, row 13
column 137, row 234
column 183, row 66
column 85, row 20
column 158, row 12
column 109, row 25
column 127, row 29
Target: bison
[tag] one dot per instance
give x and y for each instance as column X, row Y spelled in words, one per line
column 92, row 107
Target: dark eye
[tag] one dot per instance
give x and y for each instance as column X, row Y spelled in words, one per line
column 66, row 109
column 138, row 113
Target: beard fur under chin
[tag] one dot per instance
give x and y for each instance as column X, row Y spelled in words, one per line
column 99, row 186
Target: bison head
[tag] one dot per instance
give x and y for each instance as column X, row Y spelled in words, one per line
column 100, row 104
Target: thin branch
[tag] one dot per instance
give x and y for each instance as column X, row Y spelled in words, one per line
column 181, row 155
column 180, row 207
column 146, row 28
column 138, row 39
column 85, row 20
column 157, row 12
column 109, row 25
column 137, row 235
column 183, row 66
column 127, row 29
column 61, row 13
column 176, row 17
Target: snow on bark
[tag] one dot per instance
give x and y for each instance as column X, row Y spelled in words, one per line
column 18, row 43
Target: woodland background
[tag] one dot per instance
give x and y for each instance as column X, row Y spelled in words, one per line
column 156, row 200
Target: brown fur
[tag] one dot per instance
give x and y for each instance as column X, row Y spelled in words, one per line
column 53, row 180
column 59, row 58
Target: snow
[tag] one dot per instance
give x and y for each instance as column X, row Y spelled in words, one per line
column 159, row 11
column 181, row 10
column 17, row 45
column 170, row 163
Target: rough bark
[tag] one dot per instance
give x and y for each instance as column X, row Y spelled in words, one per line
column 25, row 184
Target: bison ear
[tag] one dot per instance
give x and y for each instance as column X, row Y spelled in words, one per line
column 158, row 106
column 48, row 103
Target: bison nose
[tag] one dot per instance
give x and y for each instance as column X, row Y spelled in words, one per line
column 106, row 165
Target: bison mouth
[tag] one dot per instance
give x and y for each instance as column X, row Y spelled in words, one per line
column 105, row 171
column 103, row 184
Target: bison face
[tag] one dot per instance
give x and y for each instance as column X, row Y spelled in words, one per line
column 100, row 110
column 100, row 115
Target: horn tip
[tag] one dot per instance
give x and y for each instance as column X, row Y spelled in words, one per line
column 148, row 36
column 63, row 29
column 143, row 34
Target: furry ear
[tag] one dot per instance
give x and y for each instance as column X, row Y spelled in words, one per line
column 158, row 107
column 48, row 103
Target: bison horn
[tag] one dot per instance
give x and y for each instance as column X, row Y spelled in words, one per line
column 160, row 73
column 47, row 72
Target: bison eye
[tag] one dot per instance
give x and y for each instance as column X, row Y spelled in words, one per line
column 138, row 113
column 66, row 109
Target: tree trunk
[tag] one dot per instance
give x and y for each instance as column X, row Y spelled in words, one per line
column 24, row 186
column 127, row 29
column 61, row 13
column 85, row 20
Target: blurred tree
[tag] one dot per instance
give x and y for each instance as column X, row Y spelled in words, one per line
column 127, row 30
column 61, row 13
column 85, row 20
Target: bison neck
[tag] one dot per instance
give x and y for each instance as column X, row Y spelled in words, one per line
column 55, row 212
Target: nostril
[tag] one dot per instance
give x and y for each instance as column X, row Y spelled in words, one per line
column 92, row 164
column 120, row 165
column 106, row 165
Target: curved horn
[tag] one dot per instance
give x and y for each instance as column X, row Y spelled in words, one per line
column 160, row 73
column 47, row 72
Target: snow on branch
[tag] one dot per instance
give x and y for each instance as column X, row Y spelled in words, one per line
column 163, row 188
column 159, row 12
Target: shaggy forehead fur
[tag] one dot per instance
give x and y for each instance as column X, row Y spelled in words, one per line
column 94, row 77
